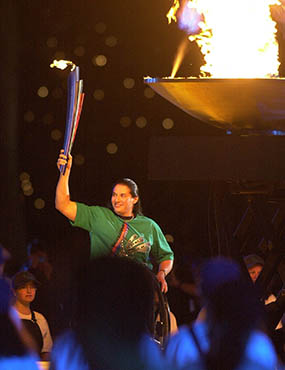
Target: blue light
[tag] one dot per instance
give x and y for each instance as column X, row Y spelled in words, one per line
column 277, row 133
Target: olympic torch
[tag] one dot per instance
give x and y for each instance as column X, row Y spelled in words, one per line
column 75, row 97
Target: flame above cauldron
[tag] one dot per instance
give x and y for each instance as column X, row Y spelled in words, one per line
column 236, row 38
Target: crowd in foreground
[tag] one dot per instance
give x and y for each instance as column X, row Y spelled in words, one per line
column 114, row 328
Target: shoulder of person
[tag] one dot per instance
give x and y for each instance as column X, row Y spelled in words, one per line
column 40, row 316
column 260, row 348
column 95, row 208
column 147, row 220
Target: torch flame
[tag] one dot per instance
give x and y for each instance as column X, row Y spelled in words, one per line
column 62, row 64
column 236, row 38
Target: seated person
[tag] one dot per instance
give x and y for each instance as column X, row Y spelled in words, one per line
column 254, row 265
column 274, row 302
column 14, row 353
column 24, row 287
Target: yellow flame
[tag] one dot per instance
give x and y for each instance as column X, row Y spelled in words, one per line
column 179, row 57
column 62, row 64
column 171, row 15
column 237, row 38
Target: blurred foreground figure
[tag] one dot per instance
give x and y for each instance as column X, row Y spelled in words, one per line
column 14, row 354
column 4, row 256
column 230, row 336
column 115, row 320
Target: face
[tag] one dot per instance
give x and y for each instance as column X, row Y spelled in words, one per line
column 26, row 294
column 122, row 200
column 254, row 272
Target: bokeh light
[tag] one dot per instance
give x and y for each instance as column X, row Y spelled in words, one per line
column 98, row 94
column 167, row 123
column 141, row 122
column 43, row 92
column 129, row 83
column 99, row 60
column 24, row 176
column 27, row 187
column 111, row 41
column 39, row 203
column 56, row 134
column 29, row 191
column 125, row 121
column 112, row 148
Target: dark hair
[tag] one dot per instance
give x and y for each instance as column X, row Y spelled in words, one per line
column 21, row 278
column 233, row 311
column 116, row 307
column 37, row 245
column 134, row 190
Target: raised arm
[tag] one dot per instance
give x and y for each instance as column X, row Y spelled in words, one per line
column 62, row 196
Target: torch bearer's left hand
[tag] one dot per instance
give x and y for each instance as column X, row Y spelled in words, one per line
column 161, row 278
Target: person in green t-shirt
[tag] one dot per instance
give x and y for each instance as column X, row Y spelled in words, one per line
column 120, row 231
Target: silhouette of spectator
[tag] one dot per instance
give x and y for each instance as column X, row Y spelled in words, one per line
column 254, row 265
column 14, row 354
column 25, row 286
column 182, row 295
column 115, row 320
column 38, row 264
column 274, row 303
column 4, row 256
column 230, row 336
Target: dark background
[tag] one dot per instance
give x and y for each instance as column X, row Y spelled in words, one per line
column 192, row 211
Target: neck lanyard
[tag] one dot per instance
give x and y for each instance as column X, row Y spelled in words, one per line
column 123, row 233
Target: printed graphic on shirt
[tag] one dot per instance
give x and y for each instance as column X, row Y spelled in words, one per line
column 135, row 244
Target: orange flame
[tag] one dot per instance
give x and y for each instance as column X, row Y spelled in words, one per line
column 179, row 58
column 237, row 38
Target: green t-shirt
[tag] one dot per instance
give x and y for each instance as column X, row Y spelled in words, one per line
column 143, row 238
